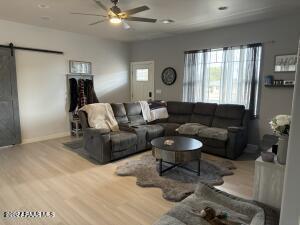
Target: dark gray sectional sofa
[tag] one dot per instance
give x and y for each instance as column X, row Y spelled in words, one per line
column 135, row 134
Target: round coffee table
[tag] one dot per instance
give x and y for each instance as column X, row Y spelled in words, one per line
column 181, row 151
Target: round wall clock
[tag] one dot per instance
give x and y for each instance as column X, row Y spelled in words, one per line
column 168, row 76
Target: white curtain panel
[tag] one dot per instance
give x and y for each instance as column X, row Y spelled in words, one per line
column 224, row 76
column 193, row 77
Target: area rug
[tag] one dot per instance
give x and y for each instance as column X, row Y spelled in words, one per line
column 74, row 144
column 176, row 184
column 77, row 147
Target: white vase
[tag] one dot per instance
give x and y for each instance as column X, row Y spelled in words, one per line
column 282, row 148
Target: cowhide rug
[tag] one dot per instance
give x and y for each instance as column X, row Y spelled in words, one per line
column 177, row 183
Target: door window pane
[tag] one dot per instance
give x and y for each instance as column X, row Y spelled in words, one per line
column 142, row 75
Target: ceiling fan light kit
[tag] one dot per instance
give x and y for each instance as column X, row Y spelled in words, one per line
column 116, row 16
column 115, row 20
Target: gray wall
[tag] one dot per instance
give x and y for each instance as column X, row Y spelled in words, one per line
column 170, row 52
column 42, row 85
column 290, row 209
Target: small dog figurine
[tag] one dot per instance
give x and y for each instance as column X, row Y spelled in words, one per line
column 210, row 215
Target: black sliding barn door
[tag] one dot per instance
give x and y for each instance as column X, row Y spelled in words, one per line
column 10, row 133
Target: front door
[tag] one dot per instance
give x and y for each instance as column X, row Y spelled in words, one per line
column 10, row 133
column 142, row 81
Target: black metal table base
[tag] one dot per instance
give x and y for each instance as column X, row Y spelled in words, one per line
column 161, row 170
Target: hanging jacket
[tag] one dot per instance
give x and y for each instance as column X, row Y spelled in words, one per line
column 82, row 98
column 90, row 92
column 73, row 94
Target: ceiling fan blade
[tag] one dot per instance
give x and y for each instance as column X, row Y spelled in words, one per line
column 141, row 19
column 87, row 14
column 100, row 21
column 99, row 3
column 126, row 26
column 135, row 10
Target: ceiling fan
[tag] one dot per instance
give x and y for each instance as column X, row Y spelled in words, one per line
column 116, row 16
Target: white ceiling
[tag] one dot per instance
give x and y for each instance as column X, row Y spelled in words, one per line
column 190, row 15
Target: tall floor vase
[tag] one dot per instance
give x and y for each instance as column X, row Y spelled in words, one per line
column 282, row 149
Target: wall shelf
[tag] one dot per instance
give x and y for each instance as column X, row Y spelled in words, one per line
column 281, row 85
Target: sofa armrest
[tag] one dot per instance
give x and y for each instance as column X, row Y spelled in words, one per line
column 236, row 129
column 158, row 121
column 97, row 144
column 83, row 117
column 126, row 127
column 140, row 131
column 237, row 141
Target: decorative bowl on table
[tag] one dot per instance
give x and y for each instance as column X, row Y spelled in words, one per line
column 169, row 142
column 267, row 156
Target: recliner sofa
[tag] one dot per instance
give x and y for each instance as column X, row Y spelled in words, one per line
column 224, row 118
column 224, row 130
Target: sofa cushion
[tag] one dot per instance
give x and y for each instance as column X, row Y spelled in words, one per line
column 190, row 128
column 119, row 112
column 203, row 113
column 122, row 140
column 214, row 133
column 228, row 115
column 180, row 107
column 134, row 113
column 170, row 128
column 177, row 118
column 180, row 112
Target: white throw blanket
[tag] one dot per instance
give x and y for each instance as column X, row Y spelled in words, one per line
column 159, row 113
column 146, row 111
column 101, row 116
column 154, row 114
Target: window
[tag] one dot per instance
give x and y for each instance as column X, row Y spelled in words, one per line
column 223, row 76
column 142, row 74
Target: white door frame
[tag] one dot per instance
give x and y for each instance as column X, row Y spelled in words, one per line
column 132, row 64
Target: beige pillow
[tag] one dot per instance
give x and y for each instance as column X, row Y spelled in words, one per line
column 190, row 128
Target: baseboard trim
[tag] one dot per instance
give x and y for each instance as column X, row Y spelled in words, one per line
column 45, row 138
column 5, row 147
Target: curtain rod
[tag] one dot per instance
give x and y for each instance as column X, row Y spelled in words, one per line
column 196, row 51
column 12, row 47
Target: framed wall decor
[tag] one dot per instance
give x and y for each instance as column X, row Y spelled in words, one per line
column 285, row 63
column 80, row 67
column 169, row 76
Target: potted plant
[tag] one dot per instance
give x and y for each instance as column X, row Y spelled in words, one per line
column 280, row 125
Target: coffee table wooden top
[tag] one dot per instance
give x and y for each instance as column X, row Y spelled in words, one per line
column 181, row 144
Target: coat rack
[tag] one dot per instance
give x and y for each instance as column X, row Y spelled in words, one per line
column 75, row 125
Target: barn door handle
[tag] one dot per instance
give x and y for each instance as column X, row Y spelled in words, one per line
column 150, row 94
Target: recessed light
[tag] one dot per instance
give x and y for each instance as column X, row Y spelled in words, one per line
column 43, row 6
column 167, row 21
column 223, row 8
column 45, row 18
